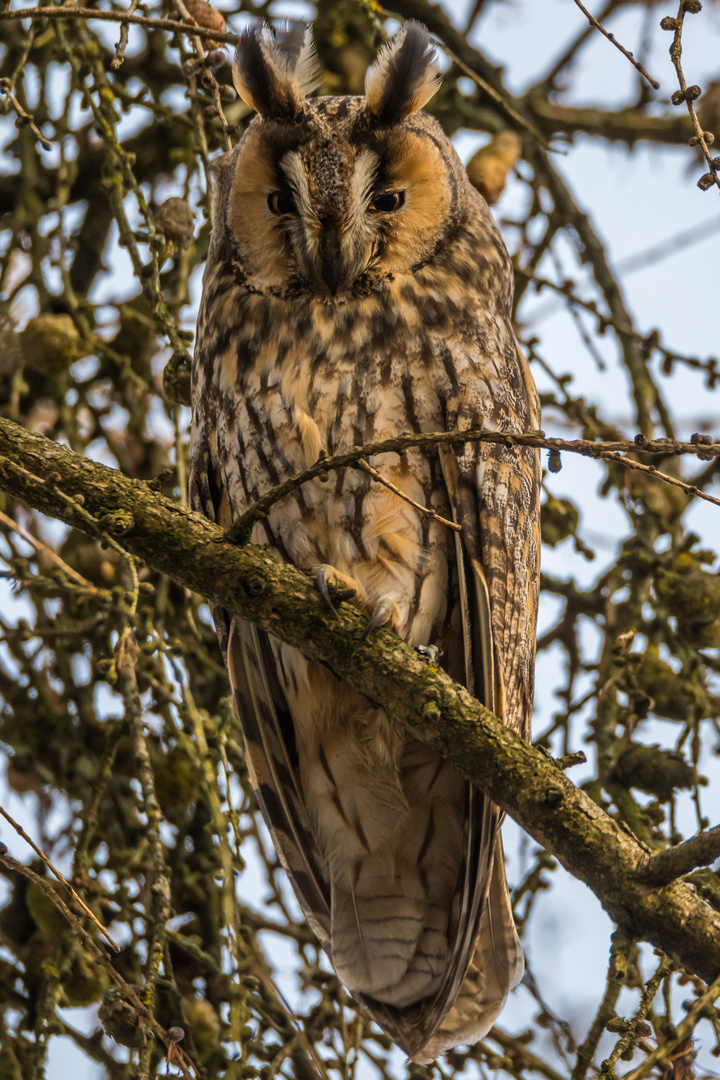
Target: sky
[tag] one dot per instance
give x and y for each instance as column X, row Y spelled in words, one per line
column 637, row 200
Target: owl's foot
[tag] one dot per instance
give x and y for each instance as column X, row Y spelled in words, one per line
column 334, row 586
column 383, row 613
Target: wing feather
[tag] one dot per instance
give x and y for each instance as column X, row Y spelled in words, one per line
column 268, row 730
column 267, row 727
column 487, row 959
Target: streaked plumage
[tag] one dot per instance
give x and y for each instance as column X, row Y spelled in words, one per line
column 356, row 288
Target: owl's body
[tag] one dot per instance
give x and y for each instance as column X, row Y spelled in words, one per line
column 330, row 319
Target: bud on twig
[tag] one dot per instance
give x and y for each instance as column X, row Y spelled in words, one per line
column 690, row 93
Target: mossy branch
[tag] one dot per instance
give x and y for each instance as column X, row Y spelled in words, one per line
column 522, row 780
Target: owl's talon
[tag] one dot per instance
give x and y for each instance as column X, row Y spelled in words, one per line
column 382, row 614
column 333, row 586
column 323, row 576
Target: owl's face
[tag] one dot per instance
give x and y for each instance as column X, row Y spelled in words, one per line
column 330, row 196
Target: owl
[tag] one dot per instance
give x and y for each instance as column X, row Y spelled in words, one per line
column 356, row 288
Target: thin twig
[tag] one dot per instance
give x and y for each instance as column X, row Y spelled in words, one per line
column 570, row 52
column 686, row 94
column 619, row 956
column 380, row 479
column 85, row 940
column 629, row 1038
column 530, row 1062
column 496, row 97
column 239, row 532
column 683, row 1032
column 160, row 882
column 86, row 14
column 43, row 549
column 24, row 116
column 41, row 854
column 209, row 74
column 650, row 342
column 121, row 46
column 630, row 264
column 611, row 37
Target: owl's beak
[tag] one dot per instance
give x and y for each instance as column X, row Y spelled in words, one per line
column 331, row 267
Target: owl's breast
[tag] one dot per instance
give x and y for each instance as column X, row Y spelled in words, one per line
column 276, row 400
column 280, row 392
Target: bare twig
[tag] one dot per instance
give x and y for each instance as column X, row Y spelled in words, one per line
column 629, row 1038
column 87, row 14
column 619, row 954
column 240, row 530
column 498, row 98
column 23, row 115
column 650, row 342
column 611, row 37
column 48, row 552
column 121, row 46
column 85, row 940
column 689, row 94
column 380, row 479
column 160, row 887
column 192, row 80
column 572, row 49
column 530, row 1063
column 41, row 855
column 684, row 1031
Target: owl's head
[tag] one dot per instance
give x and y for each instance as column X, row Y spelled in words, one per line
column 328, row 196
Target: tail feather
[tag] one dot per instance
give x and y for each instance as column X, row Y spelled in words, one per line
column 496, row 968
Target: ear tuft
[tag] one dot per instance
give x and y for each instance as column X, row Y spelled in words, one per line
column 274, row 76
column 404, row 77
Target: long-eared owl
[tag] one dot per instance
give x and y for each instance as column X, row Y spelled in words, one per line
column 356, row 288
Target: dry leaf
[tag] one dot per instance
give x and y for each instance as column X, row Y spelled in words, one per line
column 206, row 15
column 489, row 168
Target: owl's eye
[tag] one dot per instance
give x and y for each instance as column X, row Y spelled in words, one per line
column 385, row 204
column 281, row 203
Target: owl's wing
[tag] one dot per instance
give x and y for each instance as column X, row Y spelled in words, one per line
column 420, row 1035
column 486, row 960
column 494, row 493
column 267, row 728
column 269, row 734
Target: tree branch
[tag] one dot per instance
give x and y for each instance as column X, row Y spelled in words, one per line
column 124, row 17
column 700, row 850
column 628, row 125
column 611, row 37
column 615, row 451
column 522, row 780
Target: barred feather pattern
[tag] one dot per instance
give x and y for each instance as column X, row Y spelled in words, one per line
column 395, row 860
